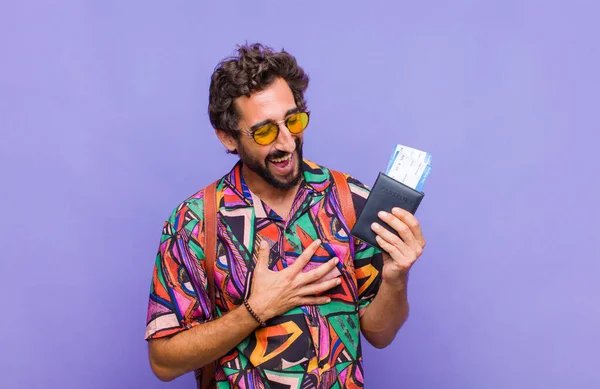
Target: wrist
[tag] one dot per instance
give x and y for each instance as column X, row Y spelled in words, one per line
column 256, row 316
column 257, row 308
column 398, row 283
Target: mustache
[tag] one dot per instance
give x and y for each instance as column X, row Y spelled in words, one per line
column 281, row 154
column 278, row 154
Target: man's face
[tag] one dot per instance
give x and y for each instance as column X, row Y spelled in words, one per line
column 278, row 163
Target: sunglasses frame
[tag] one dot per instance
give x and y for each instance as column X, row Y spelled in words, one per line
column 277, row 125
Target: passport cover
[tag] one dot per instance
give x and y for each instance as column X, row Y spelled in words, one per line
column 386, row 194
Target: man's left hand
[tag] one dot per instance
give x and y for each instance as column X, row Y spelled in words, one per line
column 400, row 253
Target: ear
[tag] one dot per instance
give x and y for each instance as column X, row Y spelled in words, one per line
column 227, row 139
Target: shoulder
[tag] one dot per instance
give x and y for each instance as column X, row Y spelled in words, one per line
column 189, row 213
column 358, row 189
column 318, row 175
column 359, row 192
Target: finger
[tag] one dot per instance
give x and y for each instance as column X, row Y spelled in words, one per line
column 317, row 288
column 305, row 257
column 400, row 246
column 318, row 273
column 389, row 248
column 313, row 300
column 411, row 221
column 402, row 228
column 262, row 261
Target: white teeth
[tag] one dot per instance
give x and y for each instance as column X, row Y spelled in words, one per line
column 277, row 160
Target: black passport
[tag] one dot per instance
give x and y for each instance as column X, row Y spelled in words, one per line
column 386, row 194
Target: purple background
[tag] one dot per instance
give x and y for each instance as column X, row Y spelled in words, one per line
column 104, row 131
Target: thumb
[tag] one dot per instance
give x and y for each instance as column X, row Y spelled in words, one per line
column 262, row 261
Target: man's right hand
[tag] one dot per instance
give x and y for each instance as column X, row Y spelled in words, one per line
column 274, row 293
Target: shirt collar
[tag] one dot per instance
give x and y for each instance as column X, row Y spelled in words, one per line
column 316, row 180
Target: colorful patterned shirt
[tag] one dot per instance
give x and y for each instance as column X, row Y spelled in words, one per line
column 309, row 346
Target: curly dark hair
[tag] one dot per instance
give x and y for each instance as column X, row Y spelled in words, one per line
column 254, row 68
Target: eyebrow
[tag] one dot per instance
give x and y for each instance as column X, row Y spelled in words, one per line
column 267, row 121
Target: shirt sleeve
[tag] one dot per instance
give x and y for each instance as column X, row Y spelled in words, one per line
column 175, row 304
column 368, row 260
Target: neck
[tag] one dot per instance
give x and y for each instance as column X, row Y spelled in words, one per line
column 266, row 191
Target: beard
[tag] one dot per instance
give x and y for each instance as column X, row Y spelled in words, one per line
column 261, row 168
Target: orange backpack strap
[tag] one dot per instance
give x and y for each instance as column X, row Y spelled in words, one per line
column 344, row 197
column 208, row 380
column 210, row 237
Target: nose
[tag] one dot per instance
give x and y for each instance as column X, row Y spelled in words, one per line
column 285, row 141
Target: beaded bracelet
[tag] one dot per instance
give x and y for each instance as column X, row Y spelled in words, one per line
column 254, row 315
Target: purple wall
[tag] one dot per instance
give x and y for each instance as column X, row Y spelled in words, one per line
column 103, row 130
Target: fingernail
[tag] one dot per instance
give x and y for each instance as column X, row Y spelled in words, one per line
column 338, row 281
column 318, row 241
column 328, row 300
column 395, row 209
column 374, row 226
column 336, row 260
column 382, row 214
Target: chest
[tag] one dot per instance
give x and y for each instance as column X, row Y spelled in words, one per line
column 238, row 233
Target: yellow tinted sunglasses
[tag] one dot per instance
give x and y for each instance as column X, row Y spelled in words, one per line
column 265, row 135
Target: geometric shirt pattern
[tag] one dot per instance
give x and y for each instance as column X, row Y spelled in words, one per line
column 307, row 347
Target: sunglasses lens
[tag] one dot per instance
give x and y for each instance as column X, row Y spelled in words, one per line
column 297, row 122
column 266, row 134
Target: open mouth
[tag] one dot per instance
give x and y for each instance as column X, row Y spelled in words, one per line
column 282, row 162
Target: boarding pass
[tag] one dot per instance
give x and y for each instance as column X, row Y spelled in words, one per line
column 409, row 166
